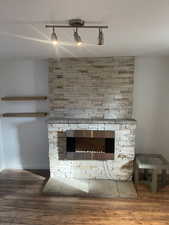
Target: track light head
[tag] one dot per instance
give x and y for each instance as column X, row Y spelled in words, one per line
column 54, row 37
column 100, row 37
column 77, row 37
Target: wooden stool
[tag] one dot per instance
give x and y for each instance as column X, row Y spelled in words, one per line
column 153, row 163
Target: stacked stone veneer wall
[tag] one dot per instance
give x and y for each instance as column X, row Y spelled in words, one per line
column 90, row 90
column 120, row 168
column 91, row 87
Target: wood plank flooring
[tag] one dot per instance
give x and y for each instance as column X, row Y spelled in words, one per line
column 21, row 202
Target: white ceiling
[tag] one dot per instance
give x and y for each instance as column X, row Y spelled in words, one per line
column 136, row 27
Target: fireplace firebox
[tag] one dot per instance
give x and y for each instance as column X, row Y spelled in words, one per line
column 89, row 144
column 95, row 145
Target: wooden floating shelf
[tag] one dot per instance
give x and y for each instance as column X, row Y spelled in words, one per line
column 23, row 98
column 26, row 114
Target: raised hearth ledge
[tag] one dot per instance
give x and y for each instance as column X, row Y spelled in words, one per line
column 90, row 121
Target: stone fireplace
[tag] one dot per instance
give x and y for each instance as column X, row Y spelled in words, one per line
column 117, row 165
column 90, row 128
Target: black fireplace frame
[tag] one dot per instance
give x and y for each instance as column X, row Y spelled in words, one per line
column 71, row 154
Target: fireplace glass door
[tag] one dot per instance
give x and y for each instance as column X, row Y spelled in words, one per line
column 91, row 144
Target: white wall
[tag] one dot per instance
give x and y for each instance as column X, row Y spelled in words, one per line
column 25, row 143
column 151, row 104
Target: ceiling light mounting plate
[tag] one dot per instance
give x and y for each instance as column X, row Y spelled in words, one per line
column 76, row 23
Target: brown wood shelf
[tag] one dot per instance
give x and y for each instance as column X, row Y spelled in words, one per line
column 26, row 114
column 23, row 98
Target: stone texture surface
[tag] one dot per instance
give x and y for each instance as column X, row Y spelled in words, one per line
column 91, row 87
column 119, row 168
column 90, row 188
column 91, row 94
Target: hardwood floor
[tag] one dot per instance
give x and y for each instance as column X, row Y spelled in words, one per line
column 21, row 202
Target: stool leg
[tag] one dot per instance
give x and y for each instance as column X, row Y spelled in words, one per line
column 145, row 174
column 154, row 181
column 164, row 177
column 136, row 175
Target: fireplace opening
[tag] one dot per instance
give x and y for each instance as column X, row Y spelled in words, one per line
column 91, row 144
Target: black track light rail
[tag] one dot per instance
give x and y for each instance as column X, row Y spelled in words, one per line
column 69, row 26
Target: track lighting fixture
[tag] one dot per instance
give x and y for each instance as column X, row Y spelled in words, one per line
column 77, row 23
column 100, row 37
column 54, row 37
column 77, row 37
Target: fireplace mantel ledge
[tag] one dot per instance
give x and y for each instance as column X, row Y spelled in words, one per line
column 90, row 121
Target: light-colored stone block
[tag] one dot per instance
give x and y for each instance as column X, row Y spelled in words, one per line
column 90, row 188
column 118, row 169
column 99, row 89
